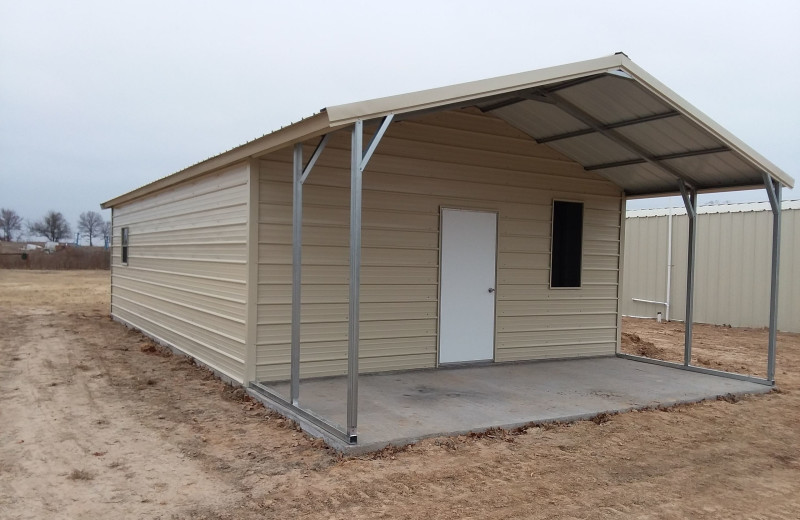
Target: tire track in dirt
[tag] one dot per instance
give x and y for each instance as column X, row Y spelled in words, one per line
column 52, row 433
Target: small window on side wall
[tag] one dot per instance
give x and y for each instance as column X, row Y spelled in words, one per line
column 566, row 256
column 125, row 234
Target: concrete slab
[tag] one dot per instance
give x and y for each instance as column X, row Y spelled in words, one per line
column 402, row 408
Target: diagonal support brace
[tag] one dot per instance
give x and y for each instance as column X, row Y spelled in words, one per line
column 687, row 194
column 314, row 157
column 373, row 144
column 773, row 188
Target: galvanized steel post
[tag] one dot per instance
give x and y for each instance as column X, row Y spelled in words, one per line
column 690, row 201
column 774, row 193
column 297, row 265
column 358, row 162
column 356, row 171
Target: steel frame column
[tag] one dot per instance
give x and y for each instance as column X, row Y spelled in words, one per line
column 358, row 162
column 690, row 201
column 297, row 263
column 299, row 176
column 774, row 193
column 355, row 280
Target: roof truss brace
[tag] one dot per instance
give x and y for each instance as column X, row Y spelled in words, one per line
column 499, row 98
column 658, row 158
column 619, row 124
column 519, row 97
column 613, row 135
column 502, row 104
column 535, row 94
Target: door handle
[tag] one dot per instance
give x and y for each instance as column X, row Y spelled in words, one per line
column 491, row 289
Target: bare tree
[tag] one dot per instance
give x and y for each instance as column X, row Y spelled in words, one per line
column 105, row 229
column 9, row 223
column 91, row 223
column 53, row 226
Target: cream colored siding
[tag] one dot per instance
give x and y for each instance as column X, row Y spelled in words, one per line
column 458, row 159
column 734, row 251
column 185, row 282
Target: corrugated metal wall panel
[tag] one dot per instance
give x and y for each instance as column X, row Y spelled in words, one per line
column 732, row 272
column 335, row 312
column 649, row 282
column 581, row 348
column 182, row 311
column 458, row 159
column 333, row 293
column 215, row 287
column 210, row 234
column 185, row 282
column 522, row 340
column 521, row 291
column 200, row 347
column 554, row 322
column 225, row 306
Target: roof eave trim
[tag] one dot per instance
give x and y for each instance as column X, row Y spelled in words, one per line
column 317, row 124
column 668, row 95
column 463, row 92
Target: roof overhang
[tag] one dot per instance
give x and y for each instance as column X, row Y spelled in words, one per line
column 607, row 114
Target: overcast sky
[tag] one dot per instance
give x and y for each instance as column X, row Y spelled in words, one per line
column 98, row 98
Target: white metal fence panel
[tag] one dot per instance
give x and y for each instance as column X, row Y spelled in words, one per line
column 733, row 265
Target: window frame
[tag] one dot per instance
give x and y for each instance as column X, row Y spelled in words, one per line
column 125, row 239
column 552, row 243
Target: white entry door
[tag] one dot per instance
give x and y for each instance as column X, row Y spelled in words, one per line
column 466, row 329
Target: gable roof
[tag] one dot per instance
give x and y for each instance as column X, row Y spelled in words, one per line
column 607, row 114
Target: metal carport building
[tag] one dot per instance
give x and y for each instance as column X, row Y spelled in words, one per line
column 480, row 222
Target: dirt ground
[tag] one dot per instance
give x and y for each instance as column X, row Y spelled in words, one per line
column 96, row 422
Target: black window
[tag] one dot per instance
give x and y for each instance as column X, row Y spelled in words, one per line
column 124, row 245
column 567, row 253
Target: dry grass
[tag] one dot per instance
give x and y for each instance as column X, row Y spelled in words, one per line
column 80, row 474
column 68, row 258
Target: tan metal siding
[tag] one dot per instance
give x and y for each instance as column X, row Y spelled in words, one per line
column 185, row 282
column 455, row 159
column 732, row 272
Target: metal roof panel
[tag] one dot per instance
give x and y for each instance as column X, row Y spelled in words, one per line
column 639, row 178
column 593, row 149
column 669, row 136
column 538, row 119
column 612, row 98
column 623, row 92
